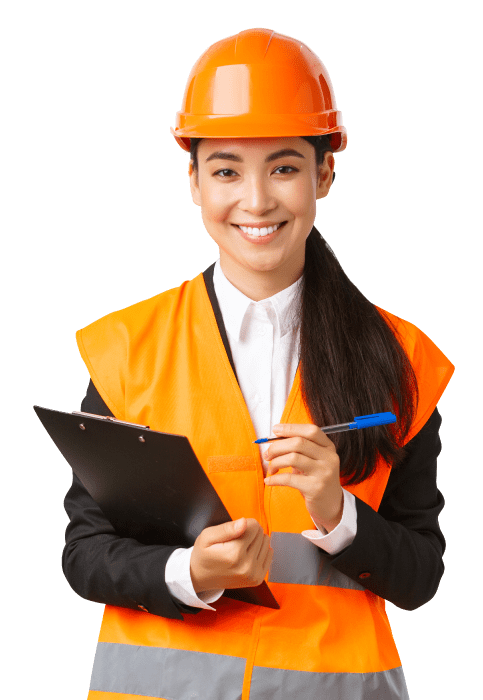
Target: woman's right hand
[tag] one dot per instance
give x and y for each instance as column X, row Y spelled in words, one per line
column 226, row 557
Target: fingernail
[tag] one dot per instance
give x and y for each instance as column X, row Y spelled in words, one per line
column 276, row 428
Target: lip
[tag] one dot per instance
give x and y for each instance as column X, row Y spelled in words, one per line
column 260, row 240
column 261, row 224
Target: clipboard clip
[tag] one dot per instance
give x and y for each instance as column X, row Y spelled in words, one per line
column 110, row 418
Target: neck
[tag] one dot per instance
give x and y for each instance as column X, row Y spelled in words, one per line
column 259, row 284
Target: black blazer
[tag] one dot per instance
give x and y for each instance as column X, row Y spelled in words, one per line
column 396, row 554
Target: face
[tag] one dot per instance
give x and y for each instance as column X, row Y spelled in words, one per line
column 260, row 183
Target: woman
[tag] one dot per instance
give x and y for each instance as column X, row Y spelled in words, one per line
column 274, row 330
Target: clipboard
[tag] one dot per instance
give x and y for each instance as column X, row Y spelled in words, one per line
column 150, row 485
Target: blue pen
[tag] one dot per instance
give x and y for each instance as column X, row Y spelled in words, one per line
column 358, row 423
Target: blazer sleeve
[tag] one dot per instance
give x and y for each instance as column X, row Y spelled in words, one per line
column 102, row 566
column 397, row 552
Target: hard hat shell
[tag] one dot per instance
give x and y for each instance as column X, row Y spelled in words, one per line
column 256, row 84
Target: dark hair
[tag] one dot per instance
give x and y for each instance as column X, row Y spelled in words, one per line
column 352, row 361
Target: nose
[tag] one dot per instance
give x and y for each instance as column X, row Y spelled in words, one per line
column 257, row 197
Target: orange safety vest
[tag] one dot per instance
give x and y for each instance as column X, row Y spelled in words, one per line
column 162, row 363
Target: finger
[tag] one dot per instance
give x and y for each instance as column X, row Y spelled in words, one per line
column 295, row 481
column 307, row 430
column 264, row 546
column 300, row 463
column 297, row 444
column 277, row 470
column 268, row 559
column 254, row 542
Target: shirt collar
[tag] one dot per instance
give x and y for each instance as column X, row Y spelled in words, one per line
column 235, row 305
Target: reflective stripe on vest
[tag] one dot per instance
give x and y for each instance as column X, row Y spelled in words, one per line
column 152, row 364
column 162, row 673
column 297, row 560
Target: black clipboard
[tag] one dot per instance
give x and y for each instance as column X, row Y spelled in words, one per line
column 150, row 485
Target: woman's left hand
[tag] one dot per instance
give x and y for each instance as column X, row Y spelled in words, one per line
column 315, row 470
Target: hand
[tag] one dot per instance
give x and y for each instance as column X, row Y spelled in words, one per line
column 226, row 557
column 315, row 470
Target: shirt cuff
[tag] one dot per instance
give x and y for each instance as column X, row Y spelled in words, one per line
column 178, row 581
column 342, row 535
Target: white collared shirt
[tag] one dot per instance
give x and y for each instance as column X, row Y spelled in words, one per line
column 264, row 339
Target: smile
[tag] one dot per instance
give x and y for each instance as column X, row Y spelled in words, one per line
column 260, row 236
column 260, row 232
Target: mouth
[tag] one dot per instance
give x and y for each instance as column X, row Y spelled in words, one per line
column 262, row 232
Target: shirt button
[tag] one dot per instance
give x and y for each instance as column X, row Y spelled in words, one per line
column 364, row 574
column 262, row 331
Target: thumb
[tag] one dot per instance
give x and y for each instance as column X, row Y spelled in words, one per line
column 227, row 531
column 239, row 526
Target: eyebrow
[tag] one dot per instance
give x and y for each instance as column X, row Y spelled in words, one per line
column 223, row 155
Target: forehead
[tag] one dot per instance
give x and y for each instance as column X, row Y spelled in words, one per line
column 253, row 148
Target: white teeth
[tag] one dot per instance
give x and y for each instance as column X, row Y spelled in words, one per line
column 259, row 231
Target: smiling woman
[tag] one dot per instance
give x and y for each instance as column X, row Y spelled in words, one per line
column 274, row 331
column 261, row 229
column 275, row 185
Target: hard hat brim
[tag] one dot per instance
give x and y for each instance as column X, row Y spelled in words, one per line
column 259, row 126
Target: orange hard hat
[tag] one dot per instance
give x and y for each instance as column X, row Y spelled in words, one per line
column 255, row 84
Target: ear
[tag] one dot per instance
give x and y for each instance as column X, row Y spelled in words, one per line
column 195, row 190
column 326, row 170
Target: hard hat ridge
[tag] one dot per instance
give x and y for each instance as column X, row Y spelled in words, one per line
column 254, row 41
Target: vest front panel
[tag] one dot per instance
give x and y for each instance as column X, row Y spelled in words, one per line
column 162, row 363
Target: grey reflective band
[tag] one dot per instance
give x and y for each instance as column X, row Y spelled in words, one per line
column 166, row 673
column 183, row 675
column 298, row 560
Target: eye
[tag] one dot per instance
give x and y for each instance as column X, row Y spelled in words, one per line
column 225, row 170
column 286, row 167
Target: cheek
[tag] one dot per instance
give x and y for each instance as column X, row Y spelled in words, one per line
column 215, row 204
column 302, row 198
